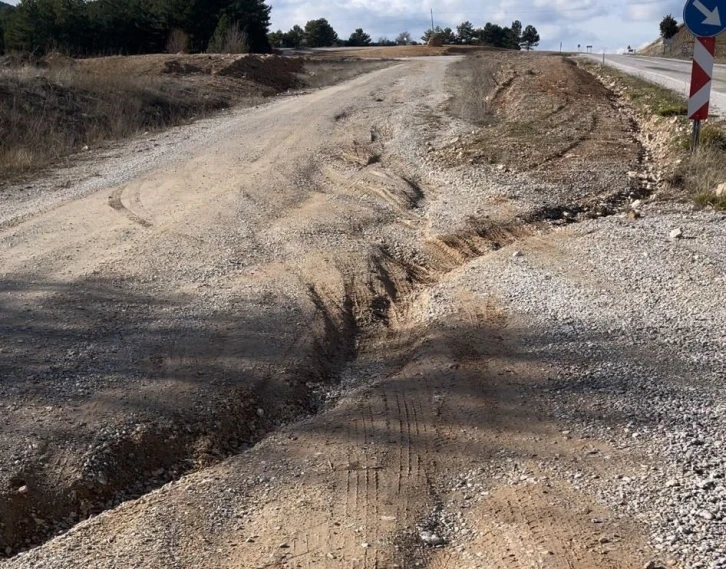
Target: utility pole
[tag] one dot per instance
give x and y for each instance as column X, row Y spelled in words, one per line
column 560, row 47
column 432, row 19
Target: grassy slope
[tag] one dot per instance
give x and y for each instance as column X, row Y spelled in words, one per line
column 697, row 175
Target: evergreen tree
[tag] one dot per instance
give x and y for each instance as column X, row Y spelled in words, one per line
column 276, row 38
column 294, row 38
column 530, row 38
column 319, row 33
column 465, row 32
column 359, row 38
column 517, row 30
column 668, row 27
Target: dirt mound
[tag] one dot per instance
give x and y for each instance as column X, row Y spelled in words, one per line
column 547, row 116
column 435, row 41
column 680, row 46
column 269, row 70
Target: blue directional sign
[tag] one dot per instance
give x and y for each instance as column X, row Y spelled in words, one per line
column 705, row 18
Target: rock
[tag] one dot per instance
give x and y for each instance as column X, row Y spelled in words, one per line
column 705, row 514
column 676, row 234
column 636, row 204
column 430, row 538
column 720, row 190
column 260, row 412
column 654, row 565
column 23, row 489
column 633, row 215
column 518, row 254
column 365, row 545
column 284, row 545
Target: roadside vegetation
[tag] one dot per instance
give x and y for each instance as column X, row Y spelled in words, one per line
column 57, row 107
column 701, row 175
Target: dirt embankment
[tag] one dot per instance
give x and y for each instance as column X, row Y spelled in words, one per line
column 182, row 316
column 545, row 116
column 680, row 47
column 56, row 108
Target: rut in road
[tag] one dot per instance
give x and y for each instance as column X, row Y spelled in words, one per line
column 313, row 268
column 357, row 298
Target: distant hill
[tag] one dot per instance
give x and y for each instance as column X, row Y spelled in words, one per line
column 4, row 6
column 681, row 46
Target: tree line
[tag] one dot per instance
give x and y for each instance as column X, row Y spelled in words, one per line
column 109, row 27
column 493, row 35
column 93, row 27
column 319, row 33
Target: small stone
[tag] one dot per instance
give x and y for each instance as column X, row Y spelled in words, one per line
column 636, row 204
column 604, row 540
column 430, row 538
column 23, row 489
column 365, row 545
column 633, row 215
column 705, row 514
column 676, row 234
column 654, row 565
column 260, row 412
column 518, row 254
column 284, row 545
column 720, row 190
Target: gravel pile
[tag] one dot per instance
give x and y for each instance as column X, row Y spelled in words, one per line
column 634, row 348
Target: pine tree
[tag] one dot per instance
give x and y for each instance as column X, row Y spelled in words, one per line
column 319, row 33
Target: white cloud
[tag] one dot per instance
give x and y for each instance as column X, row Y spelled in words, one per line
column 601, row 23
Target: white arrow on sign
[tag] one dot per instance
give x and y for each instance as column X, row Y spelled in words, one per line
column 713, row 18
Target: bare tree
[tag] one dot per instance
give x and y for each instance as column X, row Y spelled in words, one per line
column 404, row 38
column 178, row 41
column 236, row 40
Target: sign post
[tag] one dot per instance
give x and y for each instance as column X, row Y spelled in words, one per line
column 703, row 19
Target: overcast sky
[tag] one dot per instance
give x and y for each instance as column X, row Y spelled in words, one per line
column 605, row 24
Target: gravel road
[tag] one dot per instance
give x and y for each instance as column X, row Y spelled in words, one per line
column 403, row 364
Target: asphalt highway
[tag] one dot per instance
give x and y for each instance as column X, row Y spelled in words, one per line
column 672, row 73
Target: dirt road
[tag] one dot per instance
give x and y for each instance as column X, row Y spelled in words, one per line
column 314, row 263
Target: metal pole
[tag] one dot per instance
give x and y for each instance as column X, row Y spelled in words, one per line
column 696, row 135
column 560, row 47
column 432, row 19
column 603, row 57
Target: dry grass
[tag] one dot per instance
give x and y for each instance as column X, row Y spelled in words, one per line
column 54, row 108
column 700, row 175
column 696, row 175
column 47, row 114
column 473, row 81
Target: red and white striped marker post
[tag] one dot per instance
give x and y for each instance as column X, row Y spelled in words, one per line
column 704, row 50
